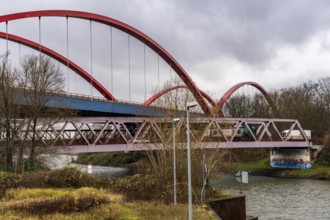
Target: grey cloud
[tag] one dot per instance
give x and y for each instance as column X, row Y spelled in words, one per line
column 248, row 30
column 194, row 31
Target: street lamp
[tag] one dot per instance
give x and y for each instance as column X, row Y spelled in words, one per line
column 188, row 107
column 174, row 159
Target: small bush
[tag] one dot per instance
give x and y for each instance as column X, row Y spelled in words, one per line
column 324, row 158
column 36, row 193
column 67, row 177
column 72, row 177
column 61, row 178
column 148, row 188
column 12, row 181
column 59, row 205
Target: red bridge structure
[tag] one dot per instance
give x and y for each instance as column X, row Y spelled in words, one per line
column 137, row 130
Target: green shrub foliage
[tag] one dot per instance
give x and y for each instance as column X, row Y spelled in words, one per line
column 68, row 177
column 59, row 205
column 324, row 158
column 147, row 187
column 61, row 178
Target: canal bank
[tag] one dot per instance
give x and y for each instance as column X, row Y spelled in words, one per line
column 263, row 168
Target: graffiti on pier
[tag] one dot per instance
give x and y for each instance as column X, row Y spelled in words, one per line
column 287, row 163
column 291, row 158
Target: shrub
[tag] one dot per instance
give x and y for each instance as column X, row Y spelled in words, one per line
column 148, row 187
column 59, row 205
column 324, row 158
column 61, row 178
column 67, row 177
column 27, row 180
column 72, row 177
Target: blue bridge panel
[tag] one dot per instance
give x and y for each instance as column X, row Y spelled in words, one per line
column 103, row 107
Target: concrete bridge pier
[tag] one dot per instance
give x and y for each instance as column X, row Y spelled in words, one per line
column 295, row 158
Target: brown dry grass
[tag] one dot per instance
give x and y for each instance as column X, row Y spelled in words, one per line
column 116, row 208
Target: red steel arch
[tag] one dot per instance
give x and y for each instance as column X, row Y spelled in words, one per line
column 97, row 85
column 163, row 92
column 217, row 109
column 125, row 28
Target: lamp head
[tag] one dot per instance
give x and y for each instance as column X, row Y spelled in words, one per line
column 191, row 104
column 176, row 119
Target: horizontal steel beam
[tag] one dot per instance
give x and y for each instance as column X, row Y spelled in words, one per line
column 145, row 147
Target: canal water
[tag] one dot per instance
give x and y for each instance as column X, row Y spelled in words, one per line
column 281, row 198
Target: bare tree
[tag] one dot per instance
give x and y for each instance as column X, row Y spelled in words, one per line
column 8, row 109
column 160, row 162
column 176, row 99
column 238, row 106
column 40, row 78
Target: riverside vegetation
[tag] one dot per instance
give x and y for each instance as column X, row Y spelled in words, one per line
column 68, row 193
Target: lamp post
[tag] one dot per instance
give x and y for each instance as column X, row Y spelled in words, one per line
column 188, row 107
column 174, row 159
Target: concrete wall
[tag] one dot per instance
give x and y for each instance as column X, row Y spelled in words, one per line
column 230, row 209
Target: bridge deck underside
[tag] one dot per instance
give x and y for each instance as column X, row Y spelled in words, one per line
column 145, row 147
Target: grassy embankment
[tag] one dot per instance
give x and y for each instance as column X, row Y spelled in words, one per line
column 87, row 203
column 262, row 167
column 70, row 194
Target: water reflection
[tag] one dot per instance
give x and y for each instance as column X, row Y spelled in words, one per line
column 61, row 161
column 104, row 171
column 281, row 198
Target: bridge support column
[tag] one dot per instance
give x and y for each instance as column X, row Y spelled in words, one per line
column 291, row 158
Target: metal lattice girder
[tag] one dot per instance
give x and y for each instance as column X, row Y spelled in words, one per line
column 142, row 133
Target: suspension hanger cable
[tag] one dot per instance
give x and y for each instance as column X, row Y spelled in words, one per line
column 7, row 39
column 158, row 73
column 129, row 67
column 19, row 53
column 171, row 72
column 91, row 50
column 40, row 44
column 145, row 73
column 67, row 53
column 111, row 64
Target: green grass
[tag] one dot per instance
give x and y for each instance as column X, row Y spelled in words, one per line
column 110, row 158
column 263, row 167
column 117, row 206
column 316, row 171
column 263, row 164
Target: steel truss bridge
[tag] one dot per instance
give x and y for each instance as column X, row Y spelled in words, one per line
column 102, row 134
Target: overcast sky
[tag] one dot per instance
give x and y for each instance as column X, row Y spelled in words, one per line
column 219, row 43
